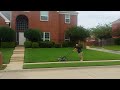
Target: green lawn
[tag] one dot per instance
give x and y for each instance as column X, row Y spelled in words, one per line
column 112, row 47
column 51, row 55
column 6, row 52
column 78, row 64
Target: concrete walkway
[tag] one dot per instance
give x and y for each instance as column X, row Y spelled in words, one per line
column 104, row 50
column 92, row 72
column 16, row 61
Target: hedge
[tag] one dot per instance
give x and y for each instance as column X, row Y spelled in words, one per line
column 8, row 44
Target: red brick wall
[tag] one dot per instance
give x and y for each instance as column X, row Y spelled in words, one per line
column 63, row 26
column 55, row 25
column 2, row 22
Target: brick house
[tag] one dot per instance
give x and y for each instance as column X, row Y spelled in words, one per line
column 52, row 23
column 115, row 27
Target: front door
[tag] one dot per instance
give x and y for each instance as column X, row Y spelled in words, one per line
column 22, row 39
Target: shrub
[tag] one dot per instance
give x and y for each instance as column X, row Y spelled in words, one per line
column 7, row 34
column 33, row 35
column 68, row 44
column 57, row 45
column 28, row 44
column 117, row 41
column 8, row 44
column 35, row 45
column 46, row 44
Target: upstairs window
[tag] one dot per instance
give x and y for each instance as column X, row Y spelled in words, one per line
column 67, row 18
column 43, row 15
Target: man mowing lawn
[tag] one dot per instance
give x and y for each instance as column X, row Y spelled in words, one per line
column 78, row 48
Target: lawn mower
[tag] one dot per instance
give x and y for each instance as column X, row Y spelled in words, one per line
column 64, row 58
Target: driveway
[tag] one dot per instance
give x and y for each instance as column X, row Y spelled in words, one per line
column 93, row 72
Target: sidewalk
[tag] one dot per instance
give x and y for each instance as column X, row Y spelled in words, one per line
column 72, row 62
column 92, row 72
column 104, row 50
column 16, row 61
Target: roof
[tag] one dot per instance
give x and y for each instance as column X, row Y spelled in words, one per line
column 69, row 12
column 4, row 17
column 117, row 21
column 6, row 14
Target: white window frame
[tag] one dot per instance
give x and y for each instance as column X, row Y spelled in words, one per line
column 44, row 15
column 68, row 39
column 44, row 39
column 67, row 18
column 26, row 11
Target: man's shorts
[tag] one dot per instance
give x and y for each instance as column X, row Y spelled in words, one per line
column 80, row 54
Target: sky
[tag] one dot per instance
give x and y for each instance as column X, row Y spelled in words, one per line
column 90, row 19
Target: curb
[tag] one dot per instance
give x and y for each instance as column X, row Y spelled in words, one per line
column 61, row 68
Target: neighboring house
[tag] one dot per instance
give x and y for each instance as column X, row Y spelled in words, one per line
column 52, row 23
column 115, row 28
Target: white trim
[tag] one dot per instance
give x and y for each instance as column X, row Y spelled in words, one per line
column 66, row 39
column 66, row 12
column 6, row 20
column 10, row 18
column 44, row 36
column 67, row 18
column 44, row 15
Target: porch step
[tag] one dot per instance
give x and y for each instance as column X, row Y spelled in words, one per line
column 16, row 52
column 16, row 60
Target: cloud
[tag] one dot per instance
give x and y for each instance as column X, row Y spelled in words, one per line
column 90, row 19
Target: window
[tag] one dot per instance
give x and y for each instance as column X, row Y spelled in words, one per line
column 46, row 36
column 67, row 18
column 67, row 38
column 43, row 15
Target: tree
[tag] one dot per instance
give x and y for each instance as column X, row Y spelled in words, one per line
column 33, row 35
column 7, row 34
column 77, row 34
column 102, row 31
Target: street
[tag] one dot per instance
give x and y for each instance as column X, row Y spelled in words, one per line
column 99, row 72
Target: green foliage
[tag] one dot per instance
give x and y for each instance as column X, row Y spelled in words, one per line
column 28, row 44
column 68, row 44
column 8, row 44
column 77, row 33
column 7, row 34
column 117, row 41
column 35, row 45
column 102, row 31
column 33, row 35
column 46, row 44
column 57, row 45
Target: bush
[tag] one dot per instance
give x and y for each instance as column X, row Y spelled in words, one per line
column 117, row 41
column 46, row 44
column 7, row 34
column 28, row 44
column 8, row 44
column 57, row 45
column 33, row 35
column 68, row 44
column 35, row 45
